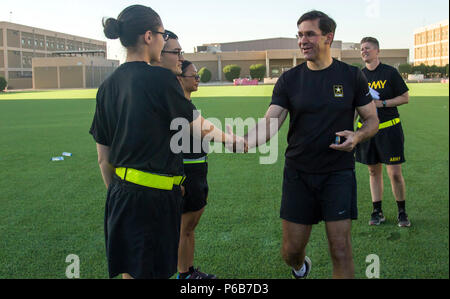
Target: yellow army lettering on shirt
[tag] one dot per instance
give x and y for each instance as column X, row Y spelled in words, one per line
column 377, row 84
column 395, row 159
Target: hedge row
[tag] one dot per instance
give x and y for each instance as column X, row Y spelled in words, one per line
column 3, row 84
column 426, row 70
column 233, row 71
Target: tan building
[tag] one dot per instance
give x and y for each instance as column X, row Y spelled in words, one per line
column 20, row 44
column 277, row 54
column 71, row 72
column 431, row 44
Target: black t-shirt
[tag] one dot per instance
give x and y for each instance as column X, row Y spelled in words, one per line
column 135, row 107
column 320, row 103
column 196, row 150
column 389, row 83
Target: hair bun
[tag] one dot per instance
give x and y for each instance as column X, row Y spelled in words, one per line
column 111, row 28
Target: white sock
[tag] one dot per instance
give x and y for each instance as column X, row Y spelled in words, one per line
column 302, row 271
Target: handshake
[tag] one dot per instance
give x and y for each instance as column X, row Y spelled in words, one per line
column 234, row 143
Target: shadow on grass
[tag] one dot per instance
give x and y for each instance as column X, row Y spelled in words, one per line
column 413, row 98
column 23, row 91
column 47, row 100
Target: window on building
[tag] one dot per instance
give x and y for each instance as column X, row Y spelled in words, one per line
column 26, row 61
column 14, row 75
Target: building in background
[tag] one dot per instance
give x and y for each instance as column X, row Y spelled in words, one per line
column 22, row 46
column 277, row 54
column 78, row 70
column 431, row 44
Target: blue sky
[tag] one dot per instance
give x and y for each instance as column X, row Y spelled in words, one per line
column 207, row 21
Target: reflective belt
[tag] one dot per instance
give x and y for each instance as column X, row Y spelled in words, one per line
column 151, row 180
column 195, row 161
column 385, row 125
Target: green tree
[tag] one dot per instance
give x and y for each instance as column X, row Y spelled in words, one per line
column 232, row 72
column 3, row 84
column 442, row 71
column 405, row 68
column 434, row 71
column 421, row 69
column 205, row 75
column 258, row 71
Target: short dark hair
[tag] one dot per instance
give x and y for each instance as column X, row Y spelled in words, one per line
column 326, row 24
column 184, row 66
column 132, row 22
column 171, row 34
column 371, row 40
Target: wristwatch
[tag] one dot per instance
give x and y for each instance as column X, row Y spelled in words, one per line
column 384, row 104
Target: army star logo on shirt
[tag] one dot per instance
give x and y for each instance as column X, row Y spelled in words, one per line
column 338, row 91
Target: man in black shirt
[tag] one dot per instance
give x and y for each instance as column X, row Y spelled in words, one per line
column 195, row 187
column 171, row 54
column 319, row 183
column 387, row 147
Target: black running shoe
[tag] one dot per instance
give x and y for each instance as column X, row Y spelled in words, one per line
column 308, row 265
column 377, row 218
column 403, row 220
column 197, row 274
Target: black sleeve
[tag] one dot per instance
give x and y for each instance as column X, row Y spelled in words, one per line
column 280, row 94
column 362, row 94
column 176, row 104
column 399, row 85
column 98, row 127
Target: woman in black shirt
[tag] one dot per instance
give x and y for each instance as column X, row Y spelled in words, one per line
column 131, row 126
column 196, row 187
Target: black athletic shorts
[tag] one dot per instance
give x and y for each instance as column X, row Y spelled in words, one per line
column 196, row 187
column 386, row 147
column 142, row 230
column 310, row 198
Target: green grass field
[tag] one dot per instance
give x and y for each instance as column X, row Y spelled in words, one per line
column 52, row 209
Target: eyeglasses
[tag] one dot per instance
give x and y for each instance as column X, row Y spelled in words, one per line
column 179, row 53
column 165, row 35
column 308, row 35
column 196, row 77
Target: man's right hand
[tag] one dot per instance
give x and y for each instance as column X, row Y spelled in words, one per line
column 267, row 127
column 234, row 143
